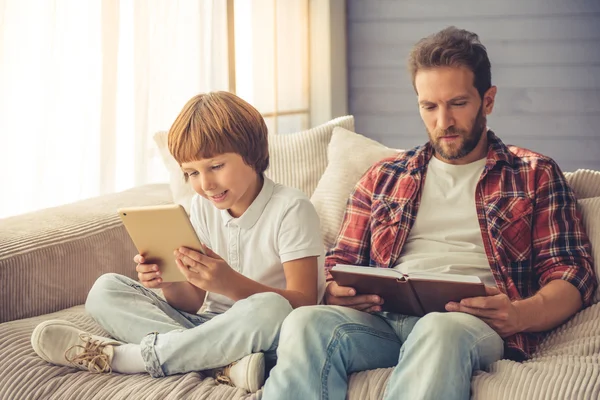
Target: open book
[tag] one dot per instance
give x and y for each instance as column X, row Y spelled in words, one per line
column 409, row 294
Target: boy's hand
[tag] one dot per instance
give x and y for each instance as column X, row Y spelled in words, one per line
column 209, row 272
column 336, row 295
column 149, row 274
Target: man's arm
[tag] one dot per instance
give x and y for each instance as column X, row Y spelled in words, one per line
column 548, row 308
column 561, row 248
column 561, row 259
column 353, row 246
column 353, row 243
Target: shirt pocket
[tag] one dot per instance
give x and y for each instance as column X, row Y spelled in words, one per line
column 385, row 225
column 510, row 221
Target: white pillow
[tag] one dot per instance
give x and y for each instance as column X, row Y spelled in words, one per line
column 350, row 156
column 297, row 159
column 590, row 211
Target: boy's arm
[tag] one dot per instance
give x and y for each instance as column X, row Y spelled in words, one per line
column 301, row 284
column 300, row 244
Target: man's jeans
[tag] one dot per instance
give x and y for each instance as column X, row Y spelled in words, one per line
column 174, row 341
column 434, row 355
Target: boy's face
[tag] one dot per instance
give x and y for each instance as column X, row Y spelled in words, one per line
column 453, row 113
column 225, row 180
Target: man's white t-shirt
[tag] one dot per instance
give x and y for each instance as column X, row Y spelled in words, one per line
column 446, row 236
column 280, row 225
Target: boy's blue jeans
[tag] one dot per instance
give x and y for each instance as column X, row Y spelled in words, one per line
column 434, row 355
column 174, row 341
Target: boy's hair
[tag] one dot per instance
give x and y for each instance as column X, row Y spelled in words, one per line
column 216, row 123
column 452, row 47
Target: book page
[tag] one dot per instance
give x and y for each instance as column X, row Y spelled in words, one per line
column 355, row 269
column 444, row 277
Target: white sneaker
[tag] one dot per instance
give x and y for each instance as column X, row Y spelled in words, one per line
column 63, row 343
column 247, row 373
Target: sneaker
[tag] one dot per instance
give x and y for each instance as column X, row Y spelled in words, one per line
column 63, row 343
column 247, row 373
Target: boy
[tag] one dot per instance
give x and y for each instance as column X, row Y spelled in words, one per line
column 263, row 258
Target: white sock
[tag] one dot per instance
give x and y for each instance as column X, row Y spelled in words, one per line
column 128, row 359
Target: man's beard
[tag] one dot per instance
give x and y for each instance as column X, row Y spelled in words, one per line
column 470, row 139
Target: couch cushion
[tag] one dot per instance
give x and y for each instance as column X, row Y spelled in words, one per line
column 23, row 375
column 350, row 155
column 297, row 159
column 566, row 366
column 590, row 211
column 584, row 182
column 50, row 258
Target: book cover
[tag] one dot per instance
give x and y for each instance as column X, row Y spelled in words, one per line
column 410, row 294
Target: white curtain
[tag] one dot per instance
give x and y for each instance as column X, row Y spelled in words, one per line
column 85, row 84
column 272, row 61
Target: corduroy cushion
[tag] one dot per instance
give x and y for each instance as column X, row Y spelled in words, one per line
column 50, row 258
column 584, row 182
column 299, row 159
column 25, row 376
column 590, row 211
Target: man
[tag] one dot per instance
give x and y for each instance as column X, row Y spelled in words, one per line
column 464, row 203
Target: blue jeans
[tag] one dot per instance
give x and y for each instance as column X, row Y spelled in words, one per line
column 174, row 341
column 434, row 356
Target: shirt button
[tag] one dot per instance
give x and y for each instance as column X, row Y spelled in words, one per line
column 509, row 214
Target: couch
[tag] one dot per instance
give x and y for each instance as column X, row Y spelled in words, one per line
column 50, row 258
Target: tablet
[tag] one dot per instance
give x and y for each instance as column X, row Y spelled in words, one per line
column 156, row 231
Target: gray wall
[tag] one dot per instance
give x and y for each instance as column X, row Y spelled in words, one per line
column 545, row 57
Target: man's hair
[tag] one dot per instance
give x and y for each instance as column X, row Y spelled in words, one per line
column 452, row 47
column 219, row 122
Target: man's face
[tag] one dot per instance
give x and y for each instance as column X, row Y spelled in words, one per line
column 453, row 113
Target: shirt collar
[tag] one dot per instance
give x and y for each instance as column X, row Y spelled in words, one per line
column 253, row 213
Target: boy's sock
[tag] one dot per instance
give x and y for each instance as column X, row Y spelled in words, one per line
column 128, row 359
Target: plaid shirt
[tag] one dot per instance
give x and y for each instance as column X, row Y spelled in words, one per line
column 532, row 231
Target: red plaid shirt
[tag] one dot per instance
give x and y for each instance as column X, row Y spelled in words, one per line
column 532, row 231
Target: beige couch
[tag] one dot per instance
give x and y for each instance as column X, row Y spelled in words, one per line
column 49, row 260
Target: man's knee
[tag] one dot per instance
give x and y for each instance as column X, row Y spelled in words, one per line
column 443, row 327
column 312, row 320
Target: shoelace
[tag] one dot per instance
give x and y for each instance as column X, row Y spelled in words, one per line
column 223, row 375
column 92, row 357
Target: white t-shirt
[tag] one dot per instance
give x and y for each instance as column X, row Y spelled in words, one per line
column 446, row 236
column 280, row 225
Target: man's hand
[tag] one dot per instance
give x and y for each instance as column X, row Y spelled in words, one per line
column 208, row 272
column 496, row 310
column 336, row 295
